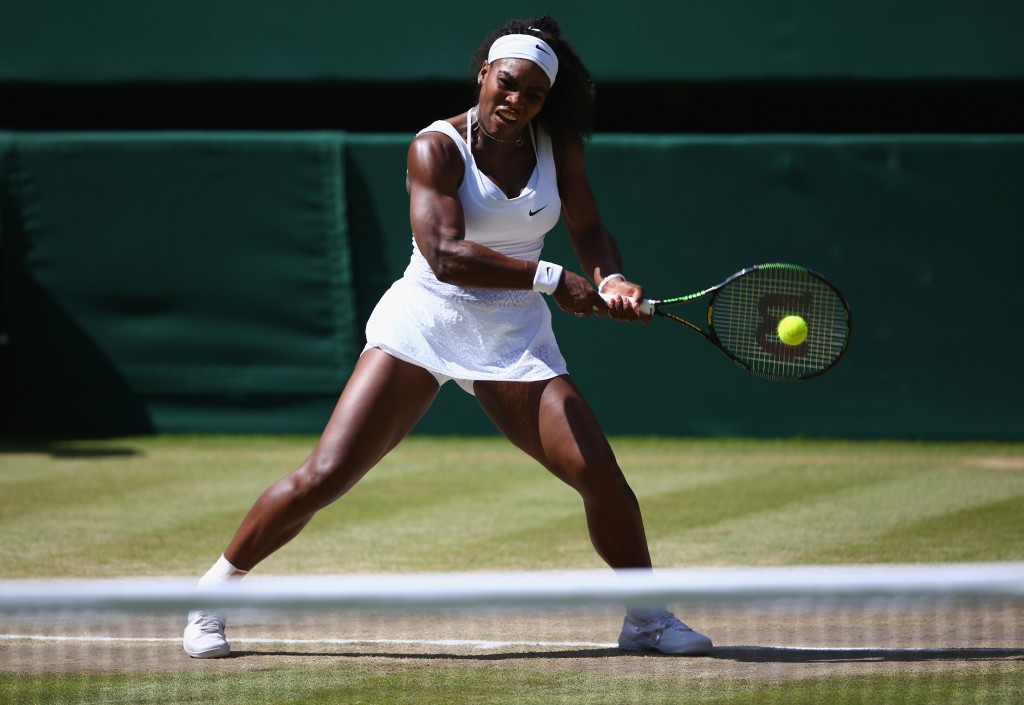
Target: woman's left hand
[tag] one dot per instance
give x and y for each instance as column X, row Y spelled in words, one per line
column 622, row 299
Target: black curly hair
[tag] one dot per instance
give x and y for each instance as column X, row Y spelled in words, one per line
column 569, row 106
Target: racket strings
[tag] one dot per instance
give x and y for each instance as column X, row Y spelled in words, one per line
column 745, row 314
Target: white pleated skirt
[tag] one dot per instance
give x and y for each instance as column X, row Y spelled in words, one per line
column 463, row 333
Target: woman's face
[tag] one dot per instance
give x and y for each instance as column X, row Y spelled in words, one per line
column 512, row 92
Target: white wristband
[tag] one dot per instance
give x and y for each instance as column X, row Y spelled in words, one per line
column 547, row 277
column 600, row 287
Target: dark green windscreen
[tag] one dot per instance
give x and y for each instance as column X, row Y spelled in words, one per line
column 221, row 281
column 177, row 281
column 190, row 41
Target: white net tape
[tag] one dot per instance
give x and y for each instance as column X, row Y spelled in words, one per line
column 446, row 590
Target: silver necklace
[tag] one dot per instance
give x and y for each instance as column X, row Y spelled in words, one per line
column 476, row 120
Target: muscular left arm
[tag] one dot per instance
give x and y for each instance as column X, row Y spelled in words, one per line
column 596, row 248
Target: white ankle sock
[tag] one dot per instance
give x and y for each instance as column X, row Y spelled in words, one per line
column 221, row 572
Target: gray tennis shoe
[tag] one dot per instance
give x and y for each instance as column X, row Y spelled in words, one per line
column 204, row 635
column 662, row 633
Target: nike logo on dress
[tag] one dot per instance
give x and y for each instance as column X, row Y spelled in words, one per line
column 533, row 213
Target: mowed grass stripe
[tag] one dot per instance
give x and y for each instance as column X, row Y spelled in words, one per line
column 130, row 511
column 444, row 684
column 168, row 505
column 802, row 520
column 476, row 514
column 432, row 494
column 989, row 532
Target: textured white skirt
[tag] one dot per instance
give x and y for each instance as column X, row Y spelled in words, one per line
column 465, row 333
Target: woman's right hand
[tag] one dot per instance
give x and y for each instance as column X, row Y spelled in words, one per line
column 575, row 294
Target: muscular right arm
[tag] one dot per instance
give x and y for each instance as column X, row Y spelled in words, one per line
column 435, row 212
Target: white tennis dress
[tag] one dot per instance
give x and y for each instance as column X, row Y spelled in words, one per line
column 467, row 333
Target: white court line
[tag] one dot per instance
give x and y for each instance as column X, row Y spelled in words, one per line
column 482, row 644
column 475, row 643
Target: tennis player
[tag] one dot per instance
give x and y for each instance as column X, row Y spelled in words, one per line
column 485, row 186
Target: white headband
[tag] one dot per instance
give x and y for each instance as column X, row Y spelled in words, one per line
column 525, row 46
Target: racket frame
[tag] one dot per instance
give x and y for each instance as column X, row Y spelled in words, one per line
column 654, row 307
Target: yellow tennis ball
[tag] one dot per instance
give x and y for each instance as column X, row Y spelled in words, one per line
column 792, row 330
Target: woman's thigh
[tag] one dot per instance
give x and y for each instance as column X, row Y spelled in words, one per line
column 553, row 423
column 382, row 401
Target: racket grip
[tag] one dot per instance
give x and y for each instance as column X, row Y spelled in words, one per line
column 646, row 306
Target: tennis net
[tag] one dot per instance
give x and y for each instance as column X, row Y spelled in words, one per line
column 915, row 633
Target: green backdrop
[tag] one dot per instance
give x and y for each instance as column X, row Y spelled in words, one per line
column 167, row 41
column 179, row 282
column 172, row 280
column 219, row 280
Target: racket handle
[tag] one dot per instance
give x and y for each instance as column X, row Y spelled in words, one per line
column 646, row 306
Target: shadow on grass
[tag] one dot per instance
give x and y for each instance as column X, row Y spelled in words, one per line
column 65, row 450
column 504, row 656
column 781, row 654
column 740, row 654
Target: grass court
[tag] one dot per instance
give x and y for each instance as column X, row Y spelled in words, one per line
column 167, row 505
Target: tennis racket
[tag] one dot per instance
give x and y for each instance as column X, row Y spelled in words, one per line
column 744, row 312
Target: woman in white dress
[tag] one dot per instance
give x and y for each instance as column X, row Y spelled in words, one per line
column 485, row 187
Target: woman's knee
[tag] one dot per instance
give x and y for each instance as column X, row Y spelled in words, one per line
column 321, row 480
column 597, row 478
